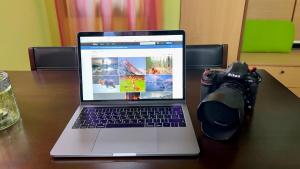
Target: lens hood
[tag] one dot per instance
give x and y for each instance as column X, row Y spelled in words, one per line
column 221, row 113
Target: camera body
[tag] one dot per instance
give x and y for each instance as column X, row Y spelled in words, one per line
column 225, row 97
column 236, row 75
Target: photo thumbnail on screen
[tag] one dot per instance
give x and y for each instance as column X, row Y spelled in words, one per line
column 106, row 84
column 132, row 66
column 133, row 96
column 159, row 65
column 159, row 82
column 132, row 83
column 105, row 66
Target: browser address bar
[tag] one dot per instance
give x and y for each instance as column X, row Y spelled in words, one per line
column 147, row 43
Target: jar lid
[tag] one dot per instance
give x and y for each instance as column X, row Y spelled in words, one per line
column 3, row 75
column 4, row 81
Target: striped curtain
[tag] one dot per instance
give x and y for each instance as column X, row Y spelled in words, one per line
column 114, row 15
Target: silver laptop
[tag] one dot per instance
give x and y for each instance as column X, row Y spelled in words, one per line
column 132, row 97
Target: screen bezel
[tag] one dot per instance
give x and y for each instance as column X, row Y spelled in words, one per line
column 131, row 33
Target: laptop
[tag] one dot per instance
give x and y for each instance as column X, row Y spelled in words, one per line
column 132, row 97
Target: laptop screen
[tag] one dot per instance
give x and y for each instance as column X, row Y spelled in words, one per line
column 142, row 65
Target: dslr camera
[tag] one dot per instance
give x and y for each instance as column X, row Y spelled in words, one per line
column 225, row 98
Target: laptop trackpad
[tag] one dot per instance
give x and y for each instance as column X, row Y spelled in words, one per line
column 126, row 140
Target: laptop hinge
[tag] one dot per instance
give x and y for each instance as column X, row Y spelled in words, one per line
column 127, row 103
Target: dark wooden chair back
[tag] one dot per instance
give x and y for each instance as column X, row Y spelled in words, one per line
column 53, row 58
column 206, row 56
column 65, row 58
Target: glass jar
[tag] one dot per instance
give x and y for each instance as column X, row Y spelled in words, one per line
column 9, row 111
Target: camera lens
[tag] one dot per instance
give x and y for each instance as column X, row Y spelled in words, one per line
column 222, row 110
column 219, row 114
column 225, row 97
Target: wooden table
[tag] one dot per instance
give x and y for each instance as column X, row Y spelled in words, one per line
column 47, row 99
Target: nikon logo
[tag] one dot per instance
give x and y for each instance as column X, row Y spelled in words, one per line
column 234, row 75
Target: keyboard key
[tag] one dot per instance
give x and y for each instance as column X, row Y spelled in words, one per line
column 101, row 117
column 174, row 124
column 158, row 124
column 84, row 110
column 181, row 116
column 152, row 117
column 96, row 121
column 124, row 125
column 150, row 124
column 149, row 120
column 126, row 121
column 165, row 113
column 164, row 120
column 93, row 116
column 181, row 121
column 101, row 125
column 167, row 116
column 108, row 113
column 173, row 120
column 88, row 121
column 118, row 121
column 116, row 117
column 145, row 116
column 159, row 116
column 108, row 117
column 141, row 121
column 157, row 113
column 84, row 126
column 182, row 124
column 76, row 126
column 173, row 113
column 103, row 121
column 156, row 120
column 110, row 121
column 144, row 113
column 166, row 124
column 177, row 120
column 174, row 116
column 137, row 117
column 133, row 121
column 136, row 114
column 131, row 117
column 151, row 113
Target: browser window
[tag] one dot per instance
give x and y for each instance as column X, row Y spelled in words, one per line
column 132, row 67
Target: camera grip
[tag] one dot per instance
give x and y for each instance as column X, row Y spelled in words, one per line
column 205, row 90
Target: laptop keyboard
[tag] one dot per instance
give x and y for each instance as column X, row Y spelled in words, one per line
column 125, row 117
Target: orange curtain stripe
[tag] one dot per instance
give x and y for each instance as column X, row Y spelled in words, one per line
column 106, row 15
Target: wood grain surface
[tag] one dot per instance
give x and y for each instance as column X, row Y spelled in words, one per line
column 296, row 21
column 270, row 9
column 214, row 22
column 269, row 139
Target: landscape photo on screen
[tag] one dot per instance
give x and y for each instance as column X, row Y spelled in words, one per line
column 132, row 83
column 109, row 96
column 157, row 95
column 106, row 84
column 159, row 65
column 132, row 66
column 105, row 66
column 159, row 82
column 133, row 96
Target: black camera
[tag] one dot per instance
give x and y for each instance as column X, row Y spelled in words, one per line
column 225, row 98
